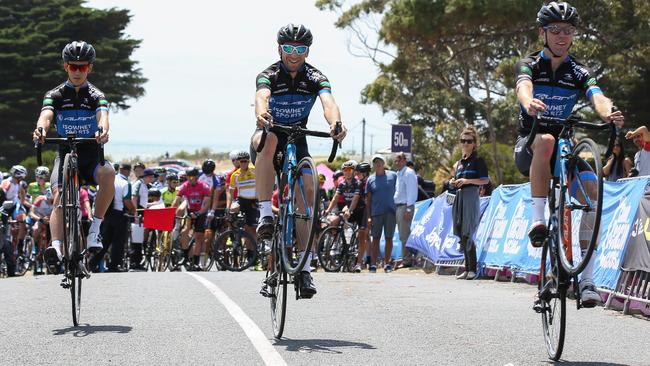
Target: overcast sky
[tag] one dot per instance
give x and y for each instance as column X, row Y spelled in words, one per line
column 201, row 59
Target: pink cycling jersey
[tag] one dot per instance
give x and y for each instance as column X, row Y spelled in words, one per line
column 194, row 194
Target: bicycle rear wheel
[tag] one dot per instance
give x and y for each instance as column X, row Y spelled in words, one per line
column 299, row 215
column 330, row 249
column 236, row 255
column 552, row 295
column 278, row 291
column 581, row 196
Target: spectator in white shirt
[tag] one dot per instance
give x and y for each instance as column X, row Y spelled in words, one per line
column 406, row 193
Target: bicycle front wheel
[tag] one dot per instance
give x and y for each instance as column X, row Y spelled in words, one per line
column 299, row 216
column 552, row 297
column 330, row 249
column 236, row 255
column 581, row 198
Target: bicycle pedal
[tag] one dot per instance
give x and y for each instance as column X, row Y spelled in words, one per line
column 265, row 292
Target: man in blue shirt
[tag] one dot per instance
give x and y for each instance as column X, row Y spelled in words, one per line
column 380, row 190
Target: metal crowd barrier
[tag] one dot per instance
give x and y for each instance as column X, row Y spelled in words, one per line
column 632, row 286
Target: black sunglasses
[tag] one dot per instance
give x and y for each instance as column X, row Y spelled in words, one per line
column 463, row 141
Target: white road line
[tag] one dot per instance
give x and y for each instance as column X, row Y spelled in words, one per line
column 268, row 353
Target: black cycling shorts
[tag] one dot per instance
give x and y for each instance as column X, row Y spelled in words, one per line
column 359, row 216
column 302, row 150
column 249, row 208
column 87, row 161
column 523, row 158
column 199, row 223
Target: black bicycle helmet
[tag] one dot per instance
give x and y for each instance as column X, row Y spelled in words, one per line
column 243, row 155
column 557, row 12
column 208, row 166
column 172, row 176
column 154, row 192
column 79, row 51
column 337, row 174
column 363, row 167
column 295, row 33
column 193, row 172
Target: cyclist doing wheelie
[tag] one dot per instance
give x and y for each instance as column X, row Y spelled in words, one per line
column 549, row 82
column 286, row 92
column 77, row 107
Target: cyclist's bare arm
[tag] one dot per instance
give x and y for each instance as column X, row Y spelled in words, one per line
column 603, row 107
column 129, row 206
column 216, row 193
column 262, row 114
column 641, row 131
column 205, row 205
column 333, row 202
column 332, row 114
column 354, row 203
column 231, row 192
column 526, row 98
column 102, row 122
column 44, row 121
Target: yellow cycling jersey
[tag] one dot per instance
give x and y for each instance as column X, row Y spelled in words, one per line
column 244, row 182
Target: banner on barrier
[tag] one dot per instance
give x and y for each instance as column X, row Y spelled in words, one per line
column 419, row 211
column 433, row 234
column 637, row 255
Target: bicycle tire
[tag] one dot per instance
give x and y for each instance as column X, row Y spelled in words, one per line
column 278, row 299
column 239, row 260
column 72, row 225
column 292, row 266
column 554, row 338
column 331, row 242
column 164, row 247
column 589, row 152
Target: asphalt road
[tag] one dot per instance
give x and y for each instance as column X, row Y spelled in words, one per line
column 403, row 318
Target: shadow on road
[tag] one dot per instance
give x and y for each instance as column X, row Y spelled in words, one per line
column 319, row 345
column 584, row 363
column 86, row 330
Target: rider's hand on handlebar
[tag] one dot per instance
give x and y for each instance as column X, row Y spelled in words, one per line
column 101, row 138
column 341, row 135
column 264, row 118
column 38, row 136
column 616, row 118
column 534, row 107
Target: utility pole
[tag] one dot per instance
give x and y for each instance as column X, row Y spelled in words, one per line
column 371, row 138
column 363, row 139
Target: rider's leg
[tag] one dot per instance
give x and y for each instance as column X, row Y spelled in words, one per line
column 265, row 175
column 363, row 239
column 56, row 221
column 105, row 178
column 389, row 231
column 196, row 249
column 302, row 226
column 540, row 174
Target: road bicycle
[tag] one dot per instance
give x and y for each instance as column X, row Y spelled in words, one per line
column 235, row 249
column 298, row 209
column 74, row 254
column 338, row 246
column 573, row 195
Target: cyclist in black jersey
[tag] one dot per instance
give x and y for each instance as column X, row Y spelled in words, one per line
column 286, row 92
column 77, row 106
column 549, row 82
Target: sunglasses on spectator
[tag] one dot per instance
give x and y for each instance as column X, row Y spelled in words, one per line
column 80, row 68
column 463, row 141
column 556, row 29
column 289, row 49
column 243, row 160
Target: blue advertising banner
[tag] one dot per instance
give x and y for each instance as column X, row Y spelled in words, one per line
column 433, row 234
column 619, row 213
column 420, row 209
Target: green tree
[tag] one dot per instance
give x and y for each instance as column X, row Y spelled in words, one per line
column 446, row 63
column 32, row 35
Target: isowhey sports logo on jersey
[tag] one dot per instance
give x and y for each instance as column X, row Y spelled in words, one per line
column 80, row 123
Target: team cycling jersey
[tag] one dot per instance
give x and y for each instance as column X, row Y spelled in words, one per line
column 212, row 181
column 34, row 190
column 42, row 207
column 244, row 182
column 292, row 98
column 168, row 196
column 349, row 189
column 75, row 112
column 559, row 90
column 12, row 188
column 194, row 194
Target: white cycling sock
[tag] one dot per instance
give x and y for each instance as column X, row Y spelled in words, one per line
column 265, row 209
column 307, row 266
column 539, row 204
column 97, row 222
column 588, row 273
column 56, row 244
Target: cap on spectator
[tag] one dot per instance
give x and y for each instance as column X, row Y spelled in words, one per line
column 126, row 166
column 139, row 165
column 378, row 156
column 148, row 171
